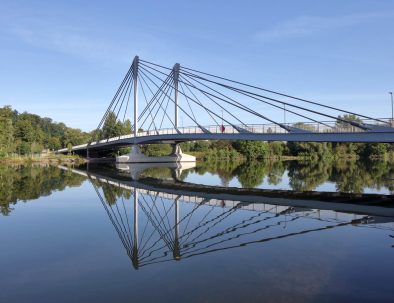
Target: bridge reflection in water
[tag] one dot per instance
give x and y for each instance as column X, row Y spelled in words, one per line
column 164, row 220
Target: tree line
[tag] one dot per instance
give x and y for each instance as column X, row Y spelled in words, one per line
column 257, row 150
column 26, row 133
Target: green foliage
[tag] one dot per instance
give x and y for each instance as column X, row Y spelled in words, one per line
column 3, row 154
column 252, row 149
column 376, row 150
column 28, row 133
column 201, row 146
column 6, row 129
column 74, row 137
column 310, row 149
column 276, row 149
column 156, row 150
column 124, row 150
column 113, row 127
column 54, row 143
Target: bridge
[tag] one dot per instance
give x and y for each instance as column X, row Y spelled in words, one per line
column 161, row 222
column 218, row 108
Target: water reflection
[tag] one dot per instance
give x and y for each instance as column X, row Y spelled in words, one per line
column 28, row 182
column 162, row 220
column 24, row 183
column 345, row 176
column 191, row 241
column 159, row 170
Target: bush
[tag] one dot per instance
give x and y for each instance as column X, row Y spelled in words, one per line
column 3, row 154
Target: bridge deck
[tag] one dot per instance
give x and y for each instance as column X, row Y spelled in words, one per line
column 304, row 132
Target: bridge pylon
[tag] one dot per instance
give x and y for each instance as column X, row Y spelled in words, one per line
column 175, row 71
column 135, row 80
column 176, row 252
column 135, row 237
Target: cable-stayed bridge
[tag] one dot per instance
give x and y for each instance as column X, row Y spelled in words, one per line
column 159, row 222
column 178, row 104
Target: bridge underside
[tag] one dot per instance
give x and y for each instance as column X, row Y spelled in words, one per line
column 112, row 145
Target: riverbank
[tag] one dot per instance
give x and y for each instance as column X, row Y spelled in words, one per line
column 47, row 159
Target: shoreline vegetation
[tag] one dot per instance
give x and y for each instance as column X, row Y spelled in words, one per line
column 26, row 137
column 258, row 150
column 45, row 159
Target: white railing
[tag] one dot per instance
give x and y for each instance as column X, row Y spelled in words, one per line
column 314, row 127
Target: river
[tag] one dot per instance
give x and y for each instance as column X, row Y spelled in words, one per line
column 217, row 232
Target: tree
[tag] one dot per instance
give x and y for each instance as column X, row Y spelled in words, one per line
column 24, row 148
column 126, row 127
column 24, row 130
column 74, row 136
column 6, row 129
column 376, row 150
column 69, row 147
column 347, row 126
column 111, row 127
column 201, row 146
column 276, row 148
column 54, row 143
column 310, row 149
column 252, row 149
column 251, row 174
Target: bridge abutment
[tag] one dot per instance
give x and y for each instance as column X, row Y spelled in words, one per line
column 136, row 156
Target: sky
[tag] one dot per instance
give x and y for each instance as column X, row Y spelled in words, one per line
column 65, row 59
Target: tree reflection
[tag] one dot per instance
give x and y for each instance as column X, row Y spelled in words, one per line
column 251, row 174
column 23, row 183
column 348, row 176
column 356, row 176
column 306, row 176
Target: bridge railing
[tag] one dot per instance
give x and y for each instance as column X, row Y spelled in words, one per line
column 315, row 127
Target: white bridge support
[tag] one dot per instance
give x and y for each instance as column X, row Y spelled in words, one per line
column 136, row 156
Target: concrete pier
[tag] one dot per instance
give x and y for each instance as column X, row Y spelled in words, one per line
column 136, row 156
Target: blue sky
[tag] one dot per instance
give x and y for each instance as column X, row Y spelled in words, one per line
column 65, row 59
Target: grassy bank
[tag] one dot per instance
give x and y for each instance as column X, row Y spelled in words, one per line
column 51, row 158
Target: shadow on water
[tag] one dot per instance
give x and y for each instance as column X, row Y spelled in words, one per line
column 160, row 218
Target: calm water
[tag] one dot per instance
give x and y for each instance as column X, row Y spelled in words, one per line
column 102, row 234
